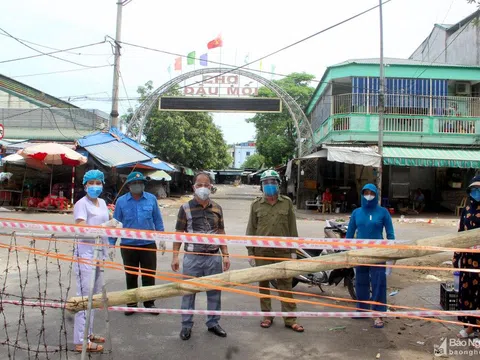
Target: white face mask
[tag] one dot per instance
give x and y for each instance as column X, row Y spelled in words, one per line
column 203, row 193
column 369, row 197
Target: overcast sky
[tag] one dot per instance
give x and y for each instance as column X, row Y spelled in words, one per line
column 247, row 27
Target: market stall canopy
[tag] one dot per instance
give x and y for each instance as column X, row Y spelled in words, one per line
column 430, row 157
column 155, row 164
column 159, row 175
column 19, row 160
column 113, row 149
column 366, row 156
column 53, row 154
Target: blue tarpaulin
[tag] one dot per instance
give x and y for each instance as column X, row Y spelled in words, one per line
column 150, row 164
column 112, row 148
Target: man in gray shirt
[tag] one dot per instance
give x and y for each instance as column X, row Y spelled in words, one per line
column 201, row 215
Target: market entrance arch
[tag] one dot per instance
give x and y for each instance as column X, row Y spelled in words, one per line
column 303, row 128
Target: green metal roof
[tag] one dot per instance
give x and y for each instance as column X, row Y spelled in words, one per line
column 397, row 61
column 13, row 133
column 429, row 157
column 28, row 92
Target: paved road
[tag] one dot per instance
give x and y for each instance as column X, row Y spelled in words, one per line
column 144, row 336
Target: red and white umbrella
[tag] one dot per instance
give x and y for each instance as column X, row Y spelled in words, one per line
column 53, row 154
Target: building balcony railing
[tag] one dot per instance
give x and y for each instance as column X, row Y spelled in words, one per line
column 398, row 104
column 361, row 127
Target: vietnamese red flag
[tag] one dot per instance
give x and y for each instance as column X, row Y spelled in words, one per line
column 217, row 42
column 178, row 63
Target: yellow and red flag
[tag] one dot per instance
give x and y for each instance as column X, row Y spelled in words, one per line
column 217, row 42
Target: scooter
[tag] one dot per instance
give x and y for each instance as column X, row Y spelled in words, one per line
column 332, row 229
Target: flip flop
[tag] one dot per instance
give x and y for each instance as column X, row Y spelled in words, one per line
column 378, row 323
column 91, row 348
column 96, row 339
column 266, row 323
column 295, row 327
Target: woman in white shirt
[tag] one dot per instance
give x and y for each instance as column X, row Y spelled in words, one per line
column 89, row 210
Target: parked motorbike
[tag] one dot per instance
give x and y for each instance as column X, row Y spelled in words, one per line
column 332, row 229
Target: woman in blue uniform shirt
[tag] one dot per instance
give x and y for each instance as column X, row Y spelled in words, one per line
column 368, row 222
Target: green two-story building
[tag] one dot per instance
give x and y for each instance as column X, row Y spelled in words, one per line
column 431, row 125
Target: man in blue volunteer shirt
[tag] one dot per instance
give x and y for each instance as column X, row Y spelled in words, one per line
column 138, row 210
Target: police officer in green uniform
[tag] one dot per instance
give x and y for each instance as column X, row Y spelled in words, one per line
column 272, row 215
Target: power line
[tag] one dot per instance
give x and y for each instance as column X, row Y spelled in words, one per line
column 52, row 48
column 445, row 49
column 50, row 54
column 295, row 43
column 436, row 35
column 61, row 71
column 125, row 89
column 210, row 61
column 235, row 67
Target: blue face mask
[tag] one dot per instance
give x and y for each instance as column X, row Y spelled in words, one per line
column 475, row 194
column 94, row 191
column 270, row 189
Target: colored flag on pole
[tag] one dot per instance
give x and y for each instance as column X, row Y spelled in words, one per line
column 191, row 58
column 204, row 59
column 261, row 65
column 246, row 58
column 217, row 42
column 170, row 69
column 178, row 63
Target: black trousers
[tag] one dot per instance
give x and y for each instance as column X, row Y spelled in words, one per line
column 140, row 258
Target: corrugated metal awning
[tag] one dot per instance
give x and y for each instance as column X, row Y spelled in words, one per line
column 116, row 153
column 428, row 157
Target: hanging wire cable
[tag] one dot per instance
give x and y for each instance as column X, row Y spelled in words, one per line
column 292, row 44
column 56, row 49
column 60, row 72
column 50, row 54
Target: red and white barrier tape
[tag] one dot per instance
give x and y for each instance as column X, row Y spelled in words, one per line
column 208, row 239
column 302, row 314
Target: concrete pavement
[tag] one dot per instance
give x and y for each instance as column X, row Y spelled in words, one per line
column 144, row 336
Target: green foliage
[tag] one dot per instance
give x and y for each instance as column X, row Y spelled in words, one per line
column 185, row 138
column 275, row 133
column 254, row 161
column 475, row 22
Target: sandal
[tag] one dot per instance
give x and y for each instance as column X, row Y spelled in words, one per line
column 266, row 323
column 91, row 348
column 463, row 334
column 295, row 327
column 96, row 339
column 378, row 323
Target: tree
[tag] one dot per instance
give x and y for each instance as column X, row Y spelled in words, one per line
column 254, row 161
column 275, row 133
column 185, row 138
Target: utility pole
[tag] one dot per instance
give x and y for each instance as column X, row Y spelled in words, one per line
column 116, row 67
column 299, row 169
column 381, row 107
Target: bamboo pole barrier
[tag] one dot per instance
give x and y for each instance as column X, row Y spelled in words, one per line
column 285, row 269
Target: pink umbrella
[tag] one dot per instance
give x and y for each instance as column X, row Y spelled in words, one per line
column 54, row 154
